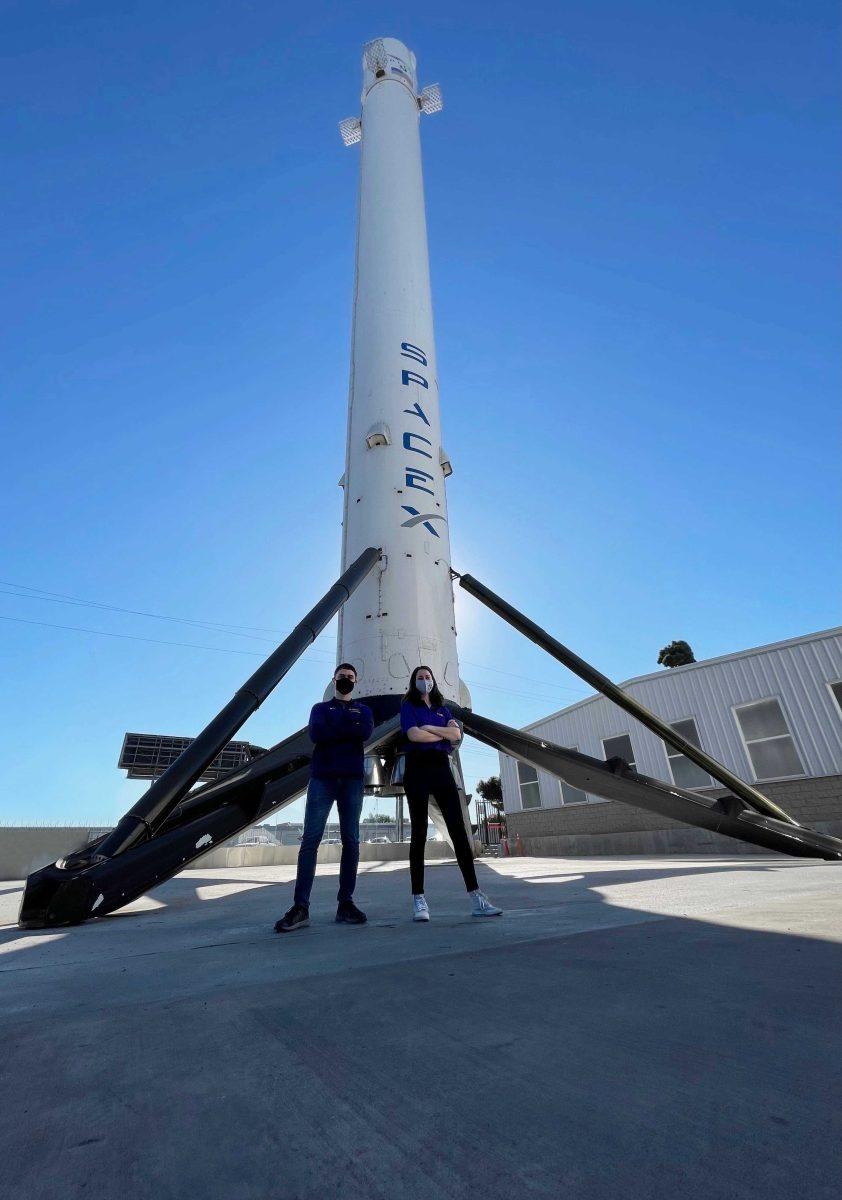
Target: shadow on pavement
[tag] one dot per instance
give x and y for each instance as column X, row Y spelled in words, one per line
column 245, row 892
column 661, row 1058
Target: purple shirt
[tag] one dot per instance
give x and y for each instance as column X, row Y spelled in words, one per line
column 419, row 714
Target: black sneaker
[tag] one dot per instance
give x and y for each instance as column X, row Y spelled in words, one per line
column 297, row 917
column 347, row 913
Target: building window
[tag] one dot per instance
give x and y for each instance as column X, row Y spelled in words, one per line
column 767, row 739
column 686, row 773
column 530, row 792
column 836, row 693
column 570, row 794
column 619, row 747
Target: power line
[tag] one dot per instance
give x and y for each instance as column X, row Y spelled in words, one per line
column 130, row 637
column 527, row 678
column 312, row 651
column 224, row 626
column 63, row 598
column 487, row 687
column 231, row 630
column 133, row 612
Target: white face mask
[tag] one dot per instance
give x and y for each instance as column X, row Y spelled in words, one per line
column 425, row 686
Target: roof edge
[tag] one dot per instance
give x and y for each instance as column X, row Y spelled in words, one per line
column 822, row 634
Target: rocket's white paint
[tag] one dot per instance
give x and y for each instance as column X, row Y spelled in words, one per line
column 395, row 468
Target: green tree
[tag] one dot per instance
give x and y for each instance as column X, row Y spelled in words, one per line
column 490, row 789
column 676, row 654
column 492, row 792
column 377, row 818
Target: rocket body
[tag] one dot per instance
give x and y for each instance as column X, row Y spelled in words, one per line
column 394, row 482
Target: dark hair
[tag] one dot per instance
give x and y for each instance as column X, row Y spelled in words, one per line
column 415, row 697
column 345, row 667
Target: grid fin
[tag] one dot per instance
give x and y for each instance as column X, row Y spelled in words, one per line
column 431, row 99
column 351, row 130
column 375, row 55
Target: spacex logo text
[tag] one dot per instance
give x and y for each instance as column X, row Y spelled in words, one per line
column 414, row 441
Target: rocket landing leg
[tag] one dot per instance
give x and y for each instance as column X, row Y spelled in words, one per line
column 64, row 895
column 170, row 825
column 746, row 814
column 615, row 780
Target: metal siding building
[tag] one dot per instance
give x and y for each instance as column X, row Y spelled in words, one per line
column 797, row 673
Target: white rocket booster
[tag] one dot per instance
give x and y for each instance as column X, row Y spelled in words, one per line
column 395, row 467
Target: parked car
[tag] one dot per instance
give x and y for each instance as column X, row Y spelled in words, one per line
column 331, row 841
column 379, row 841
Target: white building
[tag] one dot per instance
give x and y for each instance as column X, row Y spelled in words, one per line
column 772, row 714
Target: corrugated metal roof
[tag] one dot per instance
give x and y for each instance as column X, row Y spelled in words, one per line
column 835, row 632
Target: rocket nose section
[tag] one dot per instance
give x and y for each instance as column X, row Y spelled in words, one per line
column 387, row 58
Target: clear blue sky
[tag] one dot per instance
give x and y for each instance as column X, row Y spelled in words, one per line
column 633, row 213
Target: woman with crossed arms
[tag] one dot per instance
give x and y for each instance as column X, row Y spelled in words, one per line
column 430, row 734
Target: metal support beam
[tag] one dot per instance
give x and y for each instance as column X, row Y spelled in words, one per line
column 751, row 796
column 141, row 821
column 727, row 816
column 61, row 895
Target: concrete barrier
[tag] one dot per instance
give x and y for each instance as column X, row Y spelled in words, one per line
column 23, row 850
column 273, row 856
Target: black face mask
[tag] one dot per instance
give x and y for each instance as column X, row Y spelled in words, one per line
column 344, row 685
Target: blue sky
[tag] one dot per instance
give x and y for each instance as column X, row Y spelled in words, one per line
column 633, row 219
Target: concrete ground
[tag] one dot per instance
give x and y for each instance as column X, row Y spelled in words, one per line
column 630, row 1028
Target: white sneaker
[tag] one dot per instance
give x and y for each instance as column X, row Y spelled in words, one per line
column 481, row 906
column 420, row 911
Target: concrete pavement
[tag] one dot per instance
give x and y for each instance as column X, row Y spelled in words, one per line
column 630, row 1027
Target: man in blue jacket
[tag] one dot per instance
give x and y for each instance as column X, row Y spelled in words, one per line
column 339, row 730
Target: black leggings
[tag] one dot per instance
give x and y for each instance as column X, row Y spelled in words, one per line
column 427, row 776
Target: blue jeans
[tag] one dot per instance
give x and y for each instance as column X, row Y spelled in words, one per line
column 321, row 794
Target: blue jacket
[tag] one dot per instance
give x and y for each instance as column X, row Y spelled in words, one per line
column 339, row 730
column 420, row 714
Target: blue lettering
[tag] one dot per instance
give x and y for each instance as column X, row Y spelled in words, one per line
column 408, row 377
column 410, row 351
column 413, row 473
column 417, row 411
column 407, row 443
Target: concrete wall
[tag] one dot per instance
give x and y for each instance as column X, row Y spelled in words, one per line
column 271, row 856
column 579, row 830
column 611, row 827
column 23, row 850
